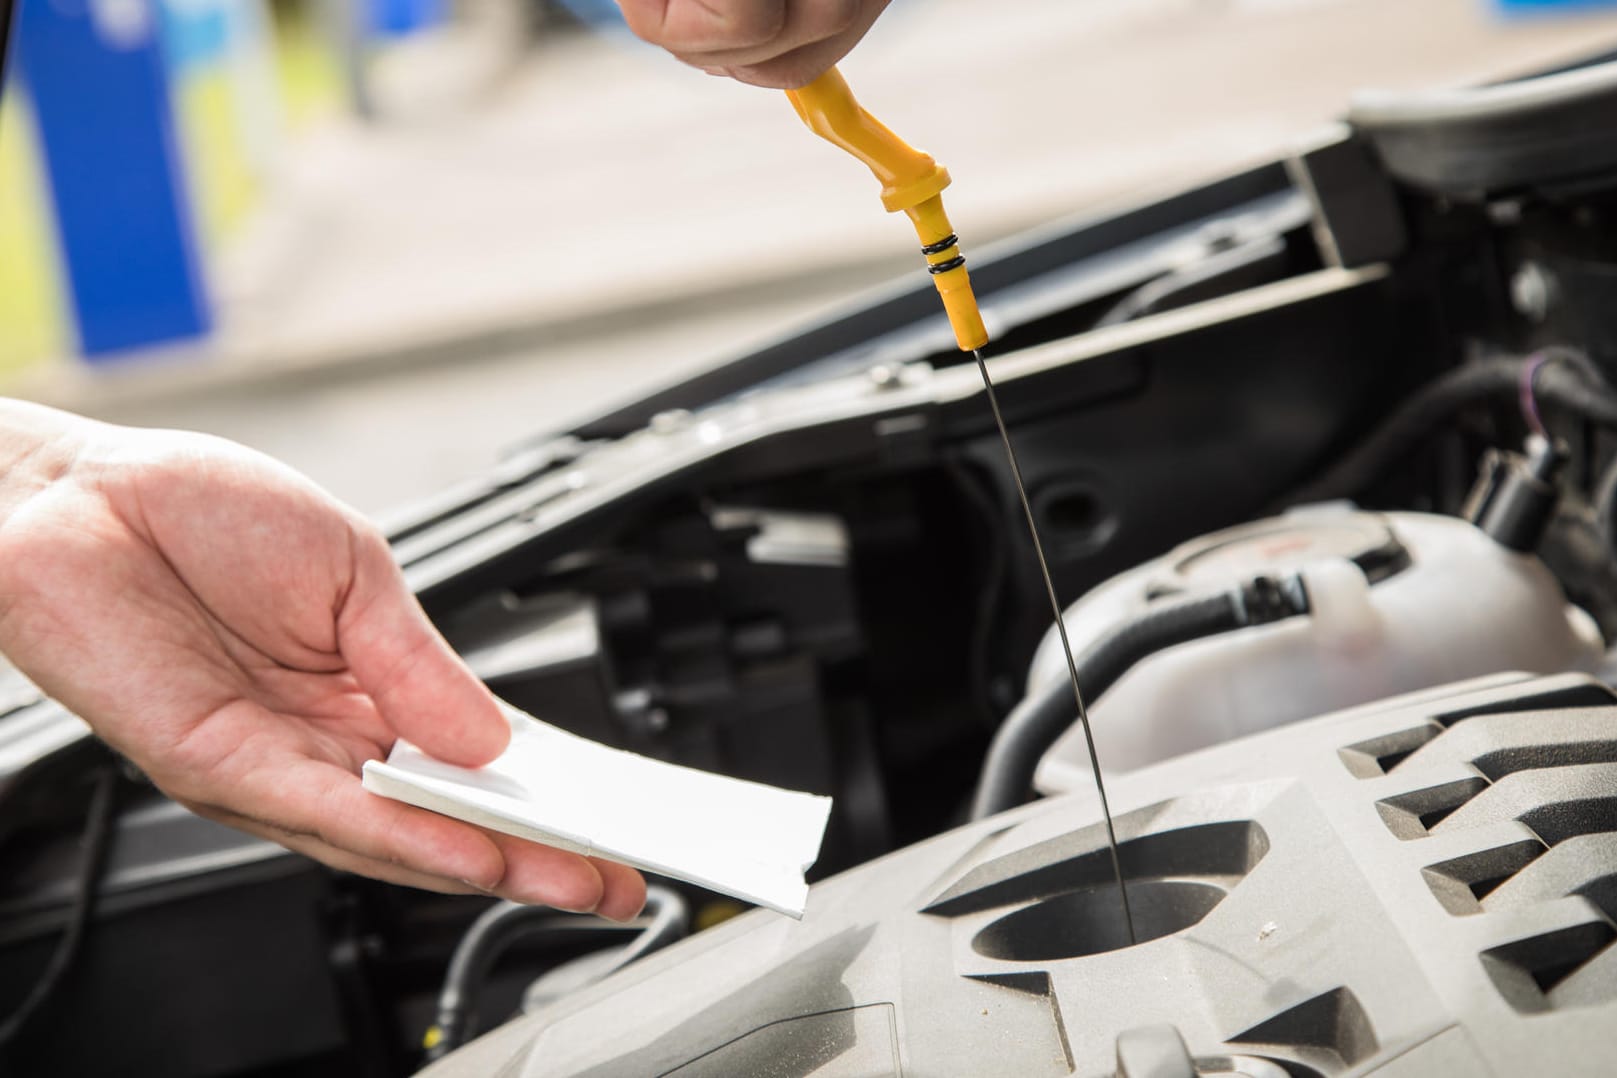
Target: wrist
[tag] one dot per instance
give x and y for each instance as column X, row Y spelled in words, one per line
column 39, row 447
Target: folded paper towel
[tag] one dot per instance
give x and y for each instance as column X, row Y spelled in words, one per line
column 742, row 838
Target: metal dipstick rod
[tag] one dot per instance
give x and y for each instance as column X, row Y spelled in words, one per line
column 912, row 182
column 1066, row 644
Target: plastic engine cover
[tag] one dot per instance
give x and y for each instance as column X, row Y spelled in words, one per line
column 1422, row 887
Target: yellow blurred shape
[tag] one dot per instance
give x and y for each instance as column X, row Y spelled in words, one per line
column 716, row 913
column 306, row 65
column 33, row 321
column 222, row 183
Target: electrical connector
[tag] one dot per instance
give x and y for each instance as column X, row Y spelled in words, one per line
column 1515, row 495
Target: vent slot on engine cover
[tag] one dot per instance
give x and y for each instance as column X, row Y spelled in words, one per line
column 1539, row 792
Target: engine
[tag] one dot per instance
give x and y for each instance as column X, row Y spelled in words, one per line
column 1331, row 437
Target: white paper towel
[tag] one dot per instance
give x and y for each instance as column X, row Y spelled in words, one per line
column 742, row 838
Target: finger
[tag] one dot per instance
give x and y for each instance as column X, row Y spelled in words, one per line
column 307, row 796
column 802, row 66
column 343, row 860
column 807, row 22
column 324, row 801
column 623, row 890
column 420, row 687
column 705, row 25
column 531, row 883
column 545, row 875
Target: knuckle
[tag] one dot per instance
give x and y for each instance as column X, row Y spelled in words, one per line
column 369, row 542
column 749, row 24
column 832, row 17
column 693, row 26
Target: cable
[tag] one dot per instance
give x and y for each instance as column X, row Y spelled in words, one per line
column 667, row 919
column 1529, row 394
column 1033, row 726
column 1565, row 379
column 95, row 843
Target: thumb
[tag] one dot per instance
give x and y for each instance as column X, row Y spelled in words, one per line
column 419, row 685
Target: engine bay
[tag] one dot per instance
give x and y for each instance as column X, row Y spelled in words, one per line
column 1333, row 430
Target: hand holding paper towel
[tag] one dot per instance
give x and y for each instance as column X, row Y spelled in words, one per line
column 742, row 838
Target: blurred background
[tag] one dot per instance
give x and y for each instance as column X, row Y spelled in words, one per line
column 382, row 239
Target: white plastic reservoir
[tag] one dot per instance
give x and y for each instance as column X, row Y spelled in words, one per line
column 1399, row 602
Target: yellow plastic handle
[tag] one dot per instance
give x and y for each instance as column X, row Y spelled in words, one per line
column 912, row 182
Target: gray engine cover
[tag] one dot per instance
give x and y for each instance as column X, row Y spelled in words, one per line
column 1421, row 887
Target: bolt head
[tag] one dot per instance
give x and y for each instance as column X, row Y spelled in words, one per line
column 1532, row 291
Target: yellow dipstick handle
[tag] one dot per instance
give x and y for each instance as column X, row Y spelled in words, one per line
column 911, row 181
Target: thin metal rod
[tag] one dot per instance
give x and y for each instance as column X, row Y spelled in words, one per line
column 1066, row 644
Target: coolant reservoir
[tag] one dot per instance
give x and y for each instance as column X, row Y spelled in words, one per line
column 1399, row 602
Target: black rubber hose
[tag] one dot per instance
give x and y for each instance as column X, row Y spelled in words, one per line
column 1034, row 724
column 667, row 919
column 1570, row 383
column 99, row 825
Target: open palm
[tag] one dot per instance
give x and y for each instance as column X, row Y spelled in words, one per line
column 249, row 643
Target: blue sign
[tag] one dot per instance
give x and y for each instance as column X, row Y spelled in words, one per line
column 1531, row 7
column 94, row 70
column 397, row 18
